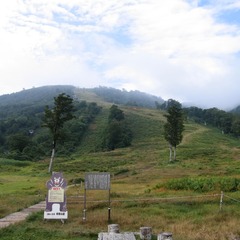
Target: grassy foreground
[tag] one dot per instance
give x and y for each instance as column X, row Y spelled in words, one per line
column 146, row 190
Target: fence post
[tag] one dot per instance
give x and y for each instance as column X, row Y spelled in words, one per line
column 221, row 200
column 84, row 205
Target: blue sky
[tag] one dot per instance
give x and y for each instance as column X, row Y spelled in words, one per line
column 187, row 50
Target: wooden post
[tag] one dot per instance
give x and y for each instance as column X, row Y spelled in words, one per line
column 109, row 207
column 221, row 200
column 51, row 160
column 85, row 206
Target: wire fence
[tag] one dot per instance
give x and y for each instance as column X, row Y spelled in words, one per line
column 233, row 199
column 152, row 199
column 221, row 197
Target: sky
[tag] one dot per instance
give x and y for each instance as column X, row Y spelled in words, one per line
column 187, row 50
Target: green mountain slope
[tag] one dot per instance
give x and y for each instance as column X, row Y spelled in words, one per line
column 21, row 116
column 146, row 190
column 204, row 151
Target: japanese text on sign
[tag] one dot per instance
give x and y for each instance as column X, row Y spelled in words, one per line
column 97, row 181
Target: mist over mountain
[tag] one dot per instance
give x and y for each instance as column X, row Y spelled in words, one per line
column 46, row 93
column 35, row 95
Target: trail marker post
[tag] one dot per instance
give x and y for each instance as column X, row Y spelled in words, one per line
column 221, row 200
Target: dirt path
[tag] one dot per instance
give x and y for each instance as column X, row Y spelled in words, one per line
column 22, row 215
column 187, row 137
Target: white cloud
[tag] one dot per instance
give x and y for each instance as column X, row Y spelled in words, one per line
column 191, row 51
column 173, row 49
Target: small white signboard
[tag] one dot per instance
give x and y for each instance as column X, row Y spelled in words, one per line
column 56, row 213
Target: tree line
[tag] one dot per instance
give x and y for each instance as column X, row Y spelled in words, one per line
column 128, row 98
column 227, row 122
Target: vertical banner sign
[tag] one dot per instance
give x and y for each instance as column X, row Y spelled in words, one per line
column 97, row 181
column 56, row 204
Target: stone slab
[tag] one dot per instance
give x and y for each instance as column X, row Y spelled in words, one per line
column 116, row 236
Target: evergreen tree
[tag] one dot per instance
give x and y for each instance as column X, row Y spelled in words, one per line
column 55, row 118
column 236, row 127
column 117, row 133
column 115, row 114
column 174, row 127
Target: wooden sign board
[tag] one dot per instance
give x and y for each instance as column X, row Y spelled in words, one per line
column 97, row 181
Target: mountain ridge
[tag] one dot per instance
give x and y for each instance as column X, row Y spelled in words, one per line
column 108, row 94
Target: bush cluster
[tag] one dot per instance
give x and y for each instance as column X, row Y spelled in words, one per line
column 204, row 184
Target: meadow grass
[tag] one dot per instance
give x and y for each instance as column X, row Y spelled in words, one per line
column 140, row 178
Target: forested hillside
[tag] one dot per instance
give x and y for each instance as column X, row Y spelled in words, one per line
column 23, row 137
column 236, row 110
column 40, row 95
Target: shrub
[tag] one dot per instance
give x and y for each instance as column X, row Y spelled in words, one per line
column 204, row 184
